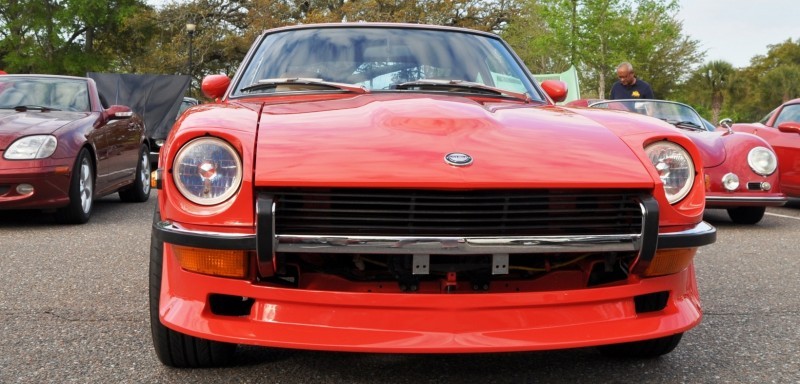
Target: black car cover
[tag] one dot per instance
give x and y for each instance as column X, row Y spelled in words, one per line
column 157, row 98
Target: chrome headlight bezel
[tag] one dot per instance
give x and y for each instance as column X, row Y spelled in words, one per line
column 31, row 148
column 762, row 161
column 675, row 168
column 207, row 171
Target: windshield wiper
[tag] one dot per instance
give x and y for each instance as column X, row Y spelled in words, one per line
column 462, row 85
column 686, row 124
column 300, row 81
column 23, row 108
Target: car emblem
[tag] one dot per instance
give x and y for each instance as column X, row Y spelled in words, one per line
column 458, row 159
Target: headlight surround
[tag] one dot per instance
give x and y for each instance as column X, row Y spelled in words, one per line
column 207, row 171
column 762, row 161
column 31, row 147
column 675, row 168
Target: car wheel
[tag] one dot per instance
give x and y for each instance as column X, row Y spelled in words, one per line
column 746, row 215
column 645, row 349
column 139, row 191
column 173, row 348
column 81, row 192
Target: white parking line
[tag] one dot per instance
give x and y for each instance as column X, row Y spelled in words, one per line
column 784, row 216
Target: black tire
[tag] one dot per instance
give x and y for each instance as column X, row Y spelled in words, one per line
column 646, row 349
column 139, row 191
column 173, row 348
column 81, row 192
column 746, row 215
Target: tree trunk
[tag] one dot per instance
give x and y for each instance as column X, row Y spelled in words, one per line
column 716, row 106
column 601, row 88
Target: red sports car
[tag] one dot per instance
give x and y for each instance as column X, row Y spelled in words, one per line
column 62, row 147
column 411, row 189
column 781, row 128
column 740, row 169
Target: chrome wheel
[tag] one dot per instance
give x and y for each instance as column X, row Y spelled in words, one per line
column 86, row 185
column 144, row 172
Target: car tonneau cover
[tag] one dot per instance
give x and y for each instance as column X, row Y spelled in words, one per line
column 156, row 98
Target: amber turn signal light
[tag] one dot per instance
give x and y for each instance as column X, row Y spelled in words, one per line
column 155, row 179
column 215, row 262
column 669, row 261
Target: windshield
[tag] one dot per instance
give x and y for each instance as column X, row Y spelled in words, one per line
column 44, row 92
column 681, row 115
column 790, row 112
column 381, row 59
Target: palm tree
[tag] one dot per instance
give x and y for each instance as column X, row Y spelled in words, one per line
column 717, row 75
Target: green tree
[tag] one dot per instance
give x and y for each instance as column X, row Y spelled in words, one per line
column 532, row 37
column 768, row 81
column 62, row 37
column 781, row 84
column 597, row 35
column 717, row 75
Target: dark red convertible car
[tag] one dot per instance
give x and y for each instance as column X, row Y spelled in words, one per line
column 781, row 128
column 61, row 147
column 404, row 188
column 741, row 170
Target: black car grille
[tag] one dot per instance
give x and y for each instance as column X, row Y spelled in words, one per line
column 401, row 212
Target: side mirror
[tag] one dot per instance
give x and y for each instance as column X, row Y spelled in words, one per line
column 556, row 89
column 726, row 122
column 214, row 86
column 118, row 112
column 789, row 127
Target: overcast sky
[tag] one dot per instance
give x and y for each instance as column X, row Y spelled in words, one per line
column 737, row 30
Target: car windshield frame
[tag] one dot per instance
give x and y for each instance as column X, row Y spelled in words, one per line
column 380, row 57
column 679, row 114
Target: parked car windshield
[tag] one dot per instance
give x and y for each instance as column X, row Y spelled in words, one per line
column 680, row 115
column 383, row 59
column 790, row 112
column 44, row 92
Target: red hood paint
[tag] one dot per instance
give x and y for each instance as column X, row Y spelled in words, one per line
column 711, row 147
column 15, row 124
column 399, row 141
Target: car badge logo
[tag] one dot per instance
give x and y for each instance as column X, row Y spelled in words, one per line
column 458, row 159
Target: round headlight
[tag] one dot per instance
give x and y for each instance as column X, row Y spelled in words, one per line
column 762, row 161
column 675, row 168
column 32, row 147
column 207, row 171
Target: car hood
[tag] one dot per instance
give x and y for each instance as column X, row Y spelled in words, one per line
column 711, row 146
column 401, row 141
column 15, row 124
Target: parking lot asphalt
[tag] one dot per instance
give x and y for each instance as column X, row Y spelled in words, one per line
column 73, row 307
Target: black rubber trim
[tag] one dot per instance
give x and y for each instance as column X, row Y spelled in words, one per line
column 702, row 234
column 164, row 231
column 649, row 241
column 265, row 233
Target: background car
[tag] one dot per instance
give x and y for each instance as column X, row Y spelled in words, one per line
column 62, row 147
column 186, row 103
column 155, row 97
column 405, row 188
column 781, row 129
column 740, row 169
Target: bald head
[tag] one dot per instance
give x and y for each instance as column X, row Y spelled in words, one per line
column 625, row 73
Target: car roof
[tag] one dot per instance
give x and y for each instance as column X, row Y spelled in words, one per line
column 362, row 24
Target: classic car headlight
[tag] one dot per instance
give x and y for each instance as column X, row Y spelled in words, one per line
column 31, row 147
column 674, row 166
column 207, row 171
column 762, row 161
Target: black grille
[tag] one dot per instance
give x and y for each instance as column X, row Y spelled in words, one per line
column 399, row 212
